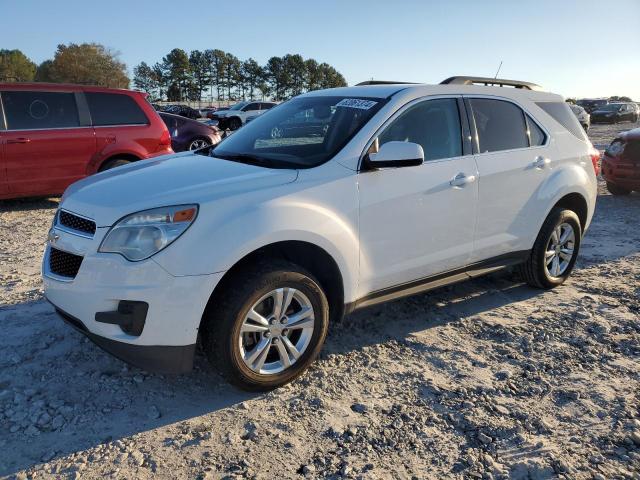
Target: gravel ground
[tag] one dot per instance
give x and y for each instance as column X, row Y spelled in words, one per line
column 486, row 379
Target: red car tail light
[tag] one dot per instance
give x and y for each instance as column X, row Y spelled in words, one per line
column 595, row 159
column 165, row 139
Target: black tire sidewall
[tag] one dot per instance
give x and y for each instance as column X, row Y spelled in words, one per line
column 555, row 218
column 226, row 323
column 116, row 162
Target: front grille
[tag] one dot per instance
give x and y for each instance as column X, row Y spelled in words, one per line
column 75, row 222
column 63, row 263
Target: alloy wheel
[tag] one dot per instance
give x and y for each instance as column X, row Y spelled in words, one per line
column 276, row 331
column 560, row 250
column 198, row 144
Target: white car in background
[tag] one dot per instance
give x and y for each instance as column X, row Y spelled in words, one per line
column 582, row 115
column 236, row 116
column 253, row 249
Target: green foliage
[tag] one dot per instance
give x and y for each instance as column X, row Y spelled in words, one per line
column 616, row 98
column 86, row 63
column 217, row 74
column 15, row 66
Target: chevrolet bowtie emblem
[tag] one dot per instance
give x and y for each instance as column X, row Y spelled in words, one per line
column 52, row 236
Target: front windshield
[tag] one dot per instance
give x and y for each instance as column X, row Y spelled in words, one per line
column 238, row 106
column 612, row 107
column 301, row 133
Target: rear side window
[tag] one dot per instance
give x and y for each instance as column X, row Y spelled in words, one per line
column 562, row 114
column 433, row 124
column 500, row 125
column 40, row 110
column 114, row 109
column 267, row 106
column 536, row 136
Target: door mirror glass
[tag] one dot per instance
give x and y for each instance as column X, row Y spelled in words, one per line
column 397, row 154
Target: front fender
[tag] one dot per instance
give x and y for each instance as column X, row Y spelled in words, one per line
column 222, row 235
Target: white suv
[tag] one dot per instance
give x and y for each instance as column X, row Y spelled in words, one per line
column 253, row 249
column 237, row 115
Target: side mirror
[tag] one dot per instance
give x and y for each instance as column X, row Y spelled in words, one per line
column 397, row 154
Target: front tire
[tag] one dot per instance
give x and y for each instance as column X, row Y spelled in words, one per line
column 266, row 326
column 617, row 190
column 555, row 251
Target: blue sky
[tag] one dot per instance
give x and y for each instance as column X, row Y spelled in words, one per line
column 572, row 47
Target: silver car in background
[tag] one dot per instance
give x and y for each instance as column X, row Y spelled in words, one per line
column 583, row 116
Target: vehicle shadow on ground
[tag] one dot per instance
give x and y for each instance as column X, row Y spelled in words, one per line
column 26, row 204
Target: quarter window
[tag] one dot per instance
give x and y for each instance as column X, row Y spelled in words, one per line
column 500, row 125
column 562, row 114
column 114, row 109
column 40, row 110
column 433, row 124
column 536, row 136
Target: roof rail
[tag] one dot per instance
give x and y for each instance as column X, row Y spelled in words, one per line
column 499, row 82
column 381, row 82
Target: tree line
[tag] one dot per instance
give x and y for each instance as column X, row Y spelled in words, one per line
column 180, row 76
column 218, row 75
column 86, row 63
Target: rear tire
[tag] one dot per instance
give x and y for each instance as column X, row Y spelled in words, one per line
column 616, row 190
column 113, row 163
column 544, row 270
column 198, row 143
column 235, row 123
column 244, row 319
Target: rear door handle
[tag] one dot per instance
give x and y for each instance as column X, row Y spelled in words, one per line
column 460, row 180
column 541, row 162
column 18, row 140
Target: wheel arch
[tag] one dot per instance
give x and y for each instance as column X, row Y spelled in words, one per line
column 117, row 156
column 308, row 255
column 576, row 203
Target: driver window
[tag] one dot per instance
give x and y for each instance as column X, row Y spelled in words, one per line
column 433, row 124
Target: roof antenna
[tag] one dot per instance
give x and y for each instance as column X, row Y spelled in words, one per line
column 499, row 67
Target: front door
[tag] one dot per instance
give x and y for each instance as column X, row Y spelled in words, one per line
column 45, row 146
column 419, row 221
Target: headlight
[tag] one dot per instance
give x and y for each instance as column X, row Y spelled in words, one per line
column 140, row 235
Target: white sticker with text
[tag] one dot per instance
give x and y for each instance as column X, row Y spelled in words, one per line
column 356, row 103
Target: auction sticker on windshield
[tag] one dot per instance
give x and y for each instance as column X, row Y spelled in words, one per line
column 356, row 103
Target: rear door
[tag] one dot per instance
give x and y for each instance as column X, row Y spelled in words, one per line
column 48, row 142
column 511, row 156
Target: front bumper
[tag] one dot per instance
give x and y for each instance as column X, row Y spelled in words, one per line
column 175, row 303
column 152, row 358
column 623, row 173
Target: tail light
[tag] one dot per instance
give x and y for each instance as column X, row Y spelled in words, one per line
column 165, row 139
column 595, row 159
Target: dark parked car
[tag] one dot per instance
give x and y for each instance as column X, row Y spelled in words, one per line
column 304, row 124
column 183, row 111
column 591, row 104
column 54, row 134
column 614, row 113
column 187, row 134
column 621, row 163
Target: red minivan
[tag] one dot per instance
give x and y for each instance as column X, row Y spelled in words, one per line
column 53, row 134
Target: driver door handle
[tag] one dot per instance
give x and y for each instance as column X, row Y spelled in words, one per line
column 460, row 180
column 18, row 140
column 541, row 162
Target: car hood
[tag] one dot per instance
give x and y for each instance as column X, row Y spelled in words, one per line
column 168, row 180
column 602, row 112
